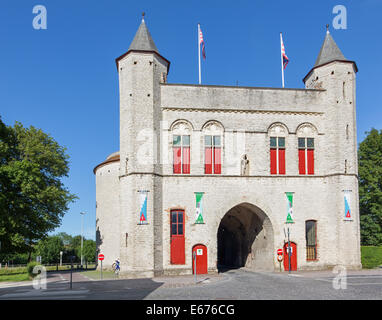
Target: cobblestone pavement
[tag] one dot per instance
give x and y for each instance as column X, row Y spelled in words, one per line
column 237, row 284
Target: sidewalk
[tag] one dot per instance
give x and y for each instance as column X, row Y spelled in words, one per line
column 325, row 273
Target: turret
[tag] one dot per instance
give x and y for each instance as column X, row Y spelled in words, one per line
column 334, row 73
column 338, row 146
column 141, row 70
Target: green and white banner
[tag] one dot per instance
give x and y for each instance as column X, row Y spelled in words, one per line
column 289, row 196
column 199, row 207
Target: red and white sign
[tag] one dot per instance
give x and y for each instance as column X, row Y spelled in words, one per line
column 101, row 257
column 279, row 251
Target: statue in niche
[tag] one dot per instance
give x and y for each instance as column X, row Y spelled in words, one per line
column 244, row 165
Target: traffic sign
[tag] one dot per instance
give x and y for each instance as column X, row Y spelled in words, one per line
column 279, row 251
column 101, row 257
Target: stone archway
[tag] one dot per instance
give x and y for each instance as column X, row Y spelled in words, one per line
column 245, row 239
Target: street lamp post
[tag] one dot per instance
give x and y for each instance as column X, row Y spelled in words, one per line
column 82, row 237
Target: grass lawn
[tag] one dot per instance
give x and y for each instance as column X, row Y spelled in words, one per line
column 371, row 257
column 21, row 274
column 15, row 277
column 96, row 274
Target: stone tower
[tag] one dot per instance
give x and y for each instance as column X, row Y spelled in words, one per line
column 141, row 69
column 337, row 75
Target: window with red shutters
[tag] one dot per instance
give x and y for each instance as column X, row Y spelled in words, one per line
column 212, row 155
column 277, row 155
column 306, row 155
column 181, row 154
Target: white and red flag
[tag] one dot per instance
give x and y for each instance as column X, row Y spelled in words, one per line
column 201, row 43
column 284, row 58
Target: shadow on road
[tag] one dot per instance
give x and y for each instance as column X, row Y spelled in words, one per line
column 124, row 289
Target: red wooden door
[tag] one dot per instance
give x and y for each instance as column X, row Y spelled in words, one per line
column 200, row 252
column 177, row 237
column 293, row 257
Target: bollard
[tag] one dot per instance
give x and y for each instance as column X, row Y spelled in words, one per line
column 71, row 272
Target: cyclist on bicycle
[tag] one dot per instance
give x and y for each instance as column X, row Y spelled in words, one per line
column 116, row 266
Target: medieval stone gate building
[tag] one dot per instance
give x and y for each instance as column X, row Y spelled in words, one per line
column 223, row 169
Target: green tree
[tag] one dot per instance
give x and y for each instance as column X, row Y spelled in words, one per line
column 33, row 200
column 49, row 249
column 370, row 187
column 66, row 238
column 89, row 250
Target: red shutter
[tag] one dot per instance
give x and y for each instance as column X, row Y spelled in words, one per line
column 301, row 161
column 217, row 160
column 208, row 160
column 177, row 160
column 186, row 159
column 273, row 161
column 310, row 161
column 281, row 161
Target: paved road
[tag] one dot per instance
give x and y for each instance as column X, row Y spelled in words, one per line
column 233, row 285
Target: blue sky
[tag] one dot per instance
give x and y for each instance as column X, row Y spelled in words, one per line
column 64, row 79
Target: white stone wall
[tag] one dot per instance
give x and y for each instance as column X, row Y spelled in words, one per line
column 107, row 212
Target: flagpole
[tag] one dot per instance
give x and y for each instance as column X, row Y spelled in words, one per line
column 200, row 71
column 282, row 64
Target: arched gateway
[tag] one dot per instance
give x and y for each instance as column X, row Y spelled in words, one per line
column 245, row 239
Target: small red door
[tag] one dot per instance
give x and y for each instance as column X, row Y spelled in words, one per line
column 177, row 237
column 200, row 252
column 293, row 257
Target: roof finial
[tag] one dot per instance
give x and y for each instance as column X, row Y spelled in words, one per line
column 143, row 16
column 327, row 28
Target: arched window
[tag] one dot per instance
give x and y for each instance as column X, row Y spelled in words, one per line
column 277, row 134
column 213, row 133
column 311, row 240
column 181, row 136
column 306, row 135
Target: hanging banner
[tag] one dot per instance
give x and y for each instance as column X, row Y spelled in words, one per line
column 143, row 207
column 199, row 208
column 289, row 196
column 347, row 215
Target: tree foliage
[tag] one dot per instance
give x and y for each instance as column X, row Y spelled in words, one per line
column 33, row 200
column 49, row 249
column 370, row 188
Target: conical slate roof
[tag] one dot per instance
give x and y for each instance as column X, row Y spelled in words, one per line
column 329, row 51
column 142, row 40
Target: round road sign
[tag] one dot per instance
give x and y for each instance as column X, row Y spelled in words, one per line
column 101, row 257
column 279, row 251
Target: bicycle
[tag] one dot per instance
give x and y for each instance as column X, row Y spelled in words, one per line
column 116, row 267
